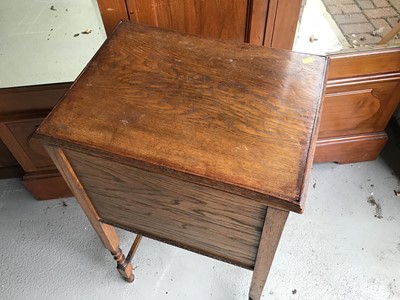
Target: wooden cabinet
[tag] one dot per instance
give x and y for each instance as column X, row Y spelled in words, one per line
column 224, row 19
column 363, row 91
column 358, row 107
column 271, row 23
column 213, row 19
column 21, row 111
column 169, row 146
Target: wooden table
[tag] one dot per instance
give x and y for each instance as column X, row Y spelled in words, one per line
column 202, row 144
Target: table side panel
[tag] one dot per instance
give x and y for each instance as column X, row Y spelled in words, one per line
column 211, row 222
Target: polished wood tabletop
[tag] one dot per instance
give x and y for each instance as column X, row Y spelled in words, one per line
column 242, row 121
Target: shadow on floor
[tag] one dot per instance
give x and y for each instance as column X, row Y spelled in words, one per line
column 391, row 152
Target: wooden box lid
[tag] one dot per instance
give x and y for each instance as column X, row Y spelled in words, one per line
column 232, row 116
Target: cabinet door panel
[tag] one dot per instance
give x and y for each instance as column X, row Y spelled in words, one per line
column 357, row 108
column 210, row 18
column 33, row 157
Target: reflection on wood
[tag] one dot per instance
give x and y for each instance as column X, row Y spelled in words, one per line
column 357, row 108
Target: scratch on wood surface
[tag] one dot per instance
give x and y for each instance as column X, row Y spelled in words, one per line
column 244, row 147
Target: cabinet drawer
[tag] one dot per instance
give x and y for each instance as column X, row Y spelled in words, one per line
column 31, row 98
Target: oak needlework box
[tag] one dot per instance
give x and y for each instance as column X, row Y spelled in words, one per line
column 199, row 143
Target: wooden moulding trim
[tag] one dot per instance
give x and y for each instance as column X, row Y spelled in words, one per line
column 257, row 11
column 270, row 22
column 36, row 87
column 42, row 174
column 112, row 11
column 282, row 21
column 367, row 62
column 352, row 138
column 106, row 232
column 291, row 205
column 357, row 54
column 21, row 117
column 46, row 185
column 350, row 149
column 363, row 79
column 312, row 146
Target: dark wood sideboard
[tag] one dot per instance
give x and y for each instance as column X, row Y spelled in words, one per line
column 22, row 109
column 362, row 93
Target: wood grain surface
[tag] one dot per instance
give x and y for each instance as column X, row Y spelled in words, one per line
column 257, row 18
column 282, row 21
column 271, row 234
column 345, row 65
column 212, row 18
column 30, row 99
column 201, row 219
column 235, row 116
column 112, row 12
column 358, row 107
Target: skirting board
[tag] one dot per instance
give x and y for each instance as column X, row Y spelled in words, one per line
column 350, row 149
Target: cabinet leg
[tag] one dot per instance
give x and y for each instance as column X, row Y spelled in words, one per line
column 123, row 266
column 274, row 223
column 105, row 232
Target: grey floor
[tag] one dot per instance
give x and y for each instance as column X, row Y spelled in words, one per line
column 345, row 246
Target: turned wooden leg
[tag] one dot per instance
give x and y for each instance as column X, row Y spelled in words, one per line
column 123, row 266
column 105, row 232
column 272, row 230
